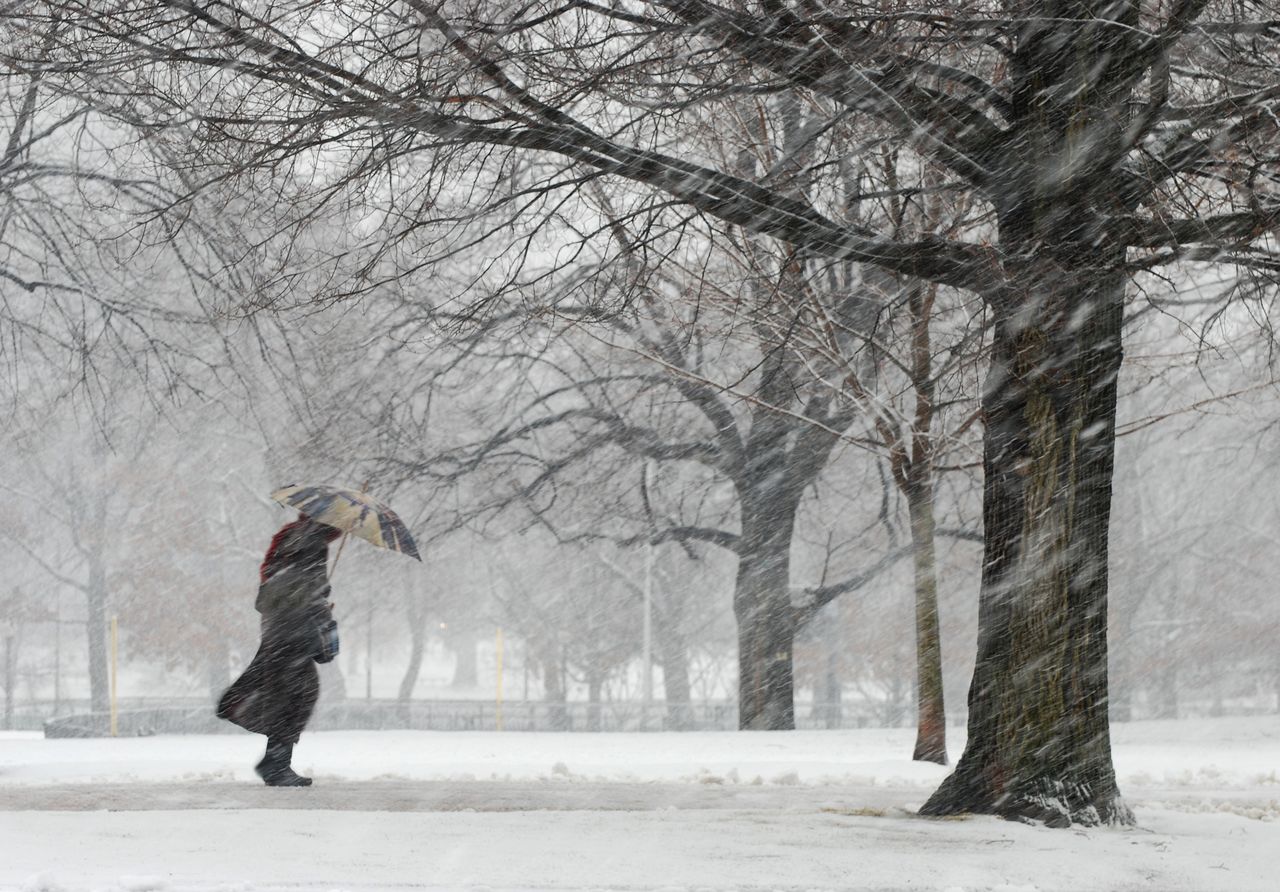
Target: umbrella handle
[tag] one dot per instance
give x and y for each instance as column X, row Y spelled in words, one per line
column 338, row 554
column 343, row 541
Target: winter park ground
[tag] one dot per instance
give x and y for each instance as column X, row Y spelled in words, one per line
column 701, row 811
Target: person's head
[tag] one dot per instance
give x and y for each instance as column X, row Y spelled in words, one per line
column 303, row 536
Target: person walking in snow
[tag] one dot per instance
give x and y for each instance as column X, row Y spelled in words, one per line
column 278, row 691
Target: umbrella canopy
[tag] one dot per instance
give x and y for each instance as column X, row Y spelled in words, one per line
column 357, row 513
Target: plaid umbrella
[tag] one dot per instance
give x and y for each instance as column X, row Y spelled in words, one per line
column 353, row 512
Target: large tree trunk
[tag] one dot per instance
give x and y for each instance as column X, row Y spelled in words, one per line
column 1039, row 737
column 931, row 712
column 766, row 621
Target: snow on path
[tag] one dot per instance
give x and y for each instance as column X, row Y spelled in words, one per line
column 1227, row 753
column 719, row 812
column 447, row 796
column 699, row 849
column 771, row 757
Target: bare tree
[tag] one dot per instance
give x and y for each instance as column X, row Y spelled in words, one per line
column 760, row 448
column 1103, row 138
column 102, row 269
column 680, row 583
column 199, row 537
column 76, row 490
column 911, row 393
column 579, row 622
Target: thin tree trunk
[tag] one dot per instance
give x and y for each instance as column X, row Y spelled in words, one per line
column 93, row 535
column 417, row 651
column 829, row 689
column 1039, row 741
column 10, row 678
column 832, row 691
column 1277, row 682
column 1216, row 708
column 931, row 712
column 675, row 678
column 553, row 690
column 1167, row 693
column 415, row 609
column 912, row 465
column 595, row 684
column 96, row 629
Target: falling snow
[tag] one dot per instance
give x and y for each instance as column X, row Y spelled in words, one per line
column 840, row 445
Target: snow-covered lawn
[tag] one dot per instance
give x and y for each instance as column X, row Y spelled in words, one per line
column 713, row 811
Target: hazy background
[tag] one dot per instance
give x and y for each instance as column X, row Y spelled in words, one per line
column 158, row 495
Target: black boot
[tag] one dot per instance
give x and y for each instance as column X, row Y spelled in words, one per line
column 274, row 769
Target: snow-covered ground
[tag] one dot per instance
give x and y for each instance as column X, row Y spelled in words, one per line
column 722, row 811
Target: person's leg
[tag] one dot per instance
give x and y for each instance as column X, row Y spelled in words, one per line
column 293, row 690
column 276, row 769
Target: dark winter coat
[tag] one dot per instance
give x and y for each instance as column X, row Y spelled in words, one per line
column 278, row 691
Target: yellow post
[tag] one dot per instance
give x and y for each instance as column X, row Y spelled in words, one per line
column 114, row 631
column 499, row 710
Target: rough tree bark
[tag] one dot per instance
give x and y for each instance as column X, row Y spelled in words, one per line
column 765, row 683
column 762, row 606
column 1039, row 727
column 1039, row 733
